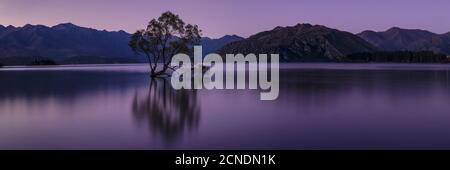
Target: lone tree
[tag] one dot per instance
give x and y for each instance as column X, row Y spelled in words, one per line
column 162, row 39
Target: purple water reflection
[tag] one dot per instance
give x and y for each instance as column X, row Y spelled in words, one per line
column 321, row 106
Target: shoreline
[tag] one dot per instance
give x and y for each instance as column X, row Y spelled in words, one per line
column 65, row 65
column 285, row 66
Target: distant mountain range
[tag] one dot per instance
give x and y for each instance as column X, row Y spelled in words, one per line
column 61, row 42
column 71, row 44
column 301, row 43
column 398, row 39
column 212, row 45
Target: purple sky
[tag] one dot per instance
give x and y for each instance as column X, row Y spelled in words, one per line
column 241, row 17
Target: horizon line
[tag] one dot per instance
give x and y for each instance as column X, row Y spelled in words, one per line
column 122, row 30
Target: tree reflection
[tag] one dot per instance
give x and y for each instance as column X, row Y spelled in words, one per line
column 168, row 112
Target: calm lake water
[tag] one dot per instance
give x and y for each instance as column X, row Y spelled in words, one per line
column 320, row 106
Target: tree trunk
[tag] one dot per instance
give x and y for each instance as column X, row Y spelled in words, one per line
column 155, row 73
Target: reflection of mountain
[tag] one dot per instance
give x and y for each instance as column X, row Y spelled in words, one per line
column 65, row 85
column 314, row 89
column 167, row 111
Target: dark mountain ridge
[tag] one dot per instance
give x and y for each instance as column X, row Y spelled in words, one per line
column 301, row 43
column 68, row 43
column 62, row 41
column 399, row 39
column 212, row 45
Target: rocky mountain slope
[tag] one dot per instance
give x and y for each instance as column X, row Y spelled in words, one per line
column 71, row 44
column 398, row 39
column 301, row 43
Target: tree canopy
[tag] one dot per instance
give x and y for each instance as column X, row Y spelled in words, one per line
column 162, row 39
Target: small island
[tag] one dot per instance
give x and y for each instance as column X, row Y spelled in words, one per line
column 42, row 62
column 396, row 57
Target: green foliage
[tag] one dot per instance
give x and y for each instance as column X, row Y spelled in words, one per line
column 397, row 57
column 162, row 39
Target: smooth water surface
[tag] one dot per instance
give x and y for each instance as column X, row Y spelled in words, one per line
column 320, row 106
